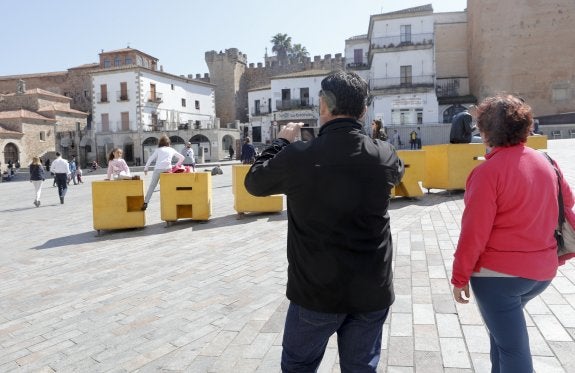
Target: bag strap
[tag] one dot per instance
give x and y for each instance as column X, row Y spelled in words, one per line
column 561, row 219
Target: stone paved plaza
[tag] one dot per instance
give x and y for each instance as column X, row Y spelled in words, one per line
column 209, row 297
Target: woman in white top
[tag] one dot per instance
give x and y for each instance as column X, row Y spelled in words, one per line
column 163, row 158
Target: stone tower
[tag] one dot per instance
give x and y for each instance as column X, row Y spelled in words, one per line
column 523, row 47
column 227, row 73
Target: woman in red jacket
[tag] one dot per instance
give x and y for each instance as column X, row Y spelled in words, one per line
column 506, row 249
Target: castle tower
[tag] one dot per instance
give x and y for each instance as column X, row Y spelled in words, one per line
column 227, row 73
column 523, row 47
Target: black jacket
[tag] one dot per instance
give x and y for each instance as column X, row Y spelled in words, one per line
column 461, row 128
column 36, row 172
column 338, row 187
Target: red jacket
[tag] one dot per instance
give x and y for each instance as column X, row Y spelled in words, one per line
column 510, row 215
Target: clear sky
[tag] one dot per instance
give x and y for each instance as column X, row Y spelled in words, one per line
column 53, row 35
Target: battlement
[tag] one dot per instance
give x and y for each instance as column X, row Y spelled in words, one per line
column 327, row 63
column 231, row 55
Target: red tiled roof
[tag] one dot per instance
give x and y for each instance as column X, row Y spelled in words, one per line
column 24, row 114
column 4, row 130
column 303, row 74
column 61, row 109
column 35, row 75
column 85, row 66
column 129, row 50
column 40, row 91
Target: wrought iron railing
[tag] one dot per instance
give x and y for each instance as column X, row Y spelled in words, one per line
column 402, row 82
column 303, row 103
column 402, row 41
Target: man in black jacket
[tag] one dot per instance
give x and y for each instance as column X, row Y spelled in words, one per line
column 339, row 245
column 462, row 128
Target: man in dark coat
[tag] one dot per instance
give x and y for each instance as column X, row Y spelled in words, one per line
column 461, row 128
column 339, row 245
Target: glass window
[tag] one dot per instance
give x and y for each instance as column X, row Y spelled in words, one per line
column 128, row 60
column 358, row 56
column 405, row 36
column 107, row 63
column 405, row 72
column 117, row 61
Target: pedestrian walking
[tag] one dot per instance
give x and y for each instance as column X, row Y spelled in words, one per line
column 507, row 250
column 248, row 152
column 72, row 175
column 61, row 170
column 37, row 178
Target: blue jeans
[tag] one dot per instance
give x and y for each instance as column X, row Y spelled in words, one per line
column 307, row 332
column 501, row 301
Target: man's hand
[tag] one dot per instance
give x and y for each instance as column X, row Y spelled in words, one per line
column 459, row 292
column 290, row 131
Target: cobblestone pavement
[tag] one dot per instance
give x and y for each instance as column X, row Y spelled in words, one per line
column 209, row 297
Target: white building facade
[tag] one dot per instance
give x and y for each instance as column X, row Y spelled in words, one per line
column 396, row 57
column 135, row 105
column 289, row 98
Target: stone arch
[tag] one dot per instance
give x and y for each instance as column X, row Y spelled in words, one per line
column 451, row 111
column 202, row 147
column 11, row 153
column 148, row 147
column 177, row 143
column 87, row 149
column 128, row 149
column 227, row 140
column 199, row 138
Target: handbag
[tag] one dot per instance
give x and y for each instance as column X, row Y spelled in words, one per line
column 564, row 233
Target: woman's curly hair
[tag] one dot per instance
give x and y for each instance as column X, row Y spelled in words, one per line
column 504, row 120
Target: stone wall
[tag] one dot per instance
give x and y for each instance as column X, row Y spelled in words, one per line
column 75, row 83
column 523, row 47
column 32, row 146
column 226, row 71
column 451, row 46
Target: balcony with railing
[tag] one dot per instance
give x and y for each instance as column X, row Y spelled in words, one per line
column 155, row 97
column 405, row 84
column 402, row 41
column 360, row 63
column 122, row 96
column 452, row 87
column 301, row 103
column 261, row 111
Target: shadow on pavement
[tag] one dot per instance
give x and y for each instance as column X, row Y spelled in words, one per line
column 158, row 229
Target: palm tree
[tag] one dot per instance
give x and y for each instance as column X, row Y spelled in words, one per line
column 299, row 53
column 282, row 45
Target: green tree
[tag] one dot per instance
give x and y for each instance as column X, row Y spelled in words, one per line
column 281, row 45
column 298, row 52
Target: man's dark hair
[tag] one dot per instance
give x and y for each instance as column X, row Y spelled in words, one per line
column 58, row 154
column 345, row 93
